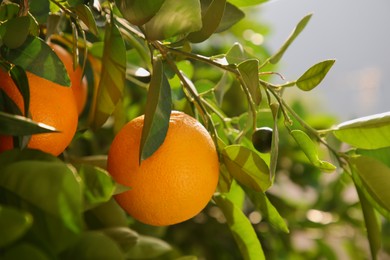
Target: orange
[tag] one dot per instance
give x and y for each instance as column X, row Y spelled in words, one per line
column 50, row 104
column 176, row 182
column 78, row 82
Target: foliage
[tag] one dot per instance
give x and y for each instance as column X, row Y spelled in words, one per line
column 154, row 56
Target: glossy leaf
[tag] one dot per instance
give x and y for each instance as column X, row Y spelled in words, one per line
column 249, row 71
column 139, row 12
column 148, row 247
column 241, row 228
column 231, row 16
column 112, row 76
column 298, row 29
column 174, row 18
column 373, row 178
column 247, row 167
column 270, row 213
column 19, row 77
column 310, row 150
column 51, row 192
column 24, row 251
column 371, row 132
column 314, row 75
column 35, row 56
column 7, row 31
column 13, row 224
column 157, row 112
column 242, row 3
column 85, row 15
column 372, row 225
column 19, row 125
column 211, row 18
column 236, row 54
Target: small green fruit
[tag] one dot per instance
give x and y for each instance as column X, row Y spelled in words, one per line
column 262, row 139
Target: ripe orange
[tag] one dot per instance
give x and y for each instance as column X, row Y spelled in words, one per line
column 50, row 104
column 79, row 83
column 176, row 182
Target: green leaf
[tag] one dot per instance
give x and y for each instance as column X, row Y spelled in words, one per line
column 139, row 12
column 382, row 154
column 40, row 10
column 309, row 148
column 106, row 215
column 210, row 21
column 157, row 112
column 85, row 15
column 123, row 236
column 373, row 178
column 19, row 77
column 313, row 76
column 231, row 16
column 236, row 54
column 94, row 245
column 242, row 3
column 14, row 32
column 247, row 167
column 19, row 125
column 249, row 71
column 371, row 132
column 8, row 11
column 35, row 56
column 51, row 192
column 174, row 18
column 24, row 251
column 222, row 87
column 241, row 228
column 298, row 29
column 98, row 185
column 270, row 213
column 13, row 224
column 112, row 76
column 275, row 140
column 372, row 225
column 148, row 247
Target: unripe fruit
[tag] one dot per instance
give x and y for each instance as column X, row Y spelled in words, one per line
column 262, row 139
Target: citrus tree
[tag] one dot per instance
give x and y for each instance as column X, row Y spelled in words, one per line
column 277, row 179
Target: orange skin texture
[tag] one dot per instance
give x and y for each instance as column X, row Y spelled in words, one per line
column 50, row 104
column 79, row 83
column 176, row 182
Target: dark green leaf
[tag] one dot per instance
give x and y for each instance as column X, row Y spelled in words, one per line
column 123, row 236
column 51, row 192
column 236, row 54
column 174, row 18
column 242, row 229
column 37, row 57
column 148, row 247
column 210, row 21
column 249, row 71
column 139, row 12
column 24, row 251
column 19, row 77
column 298, row 29
column 14, row 32
column 373, row 179
column 8, row 11
column 242, row 3
column 40, row 9
column 19, row 125
column 106, row 215
column 84, row 13
column 231, row 16
column 112, row 76
column 309, row 148
column 372, row 225
column 157, row 112
column 247, row 167
column 313, row 76
column 371, row 132
column 13, row 224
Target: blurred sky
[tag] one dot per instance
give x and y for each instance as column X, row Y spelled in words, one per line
column 354, row 32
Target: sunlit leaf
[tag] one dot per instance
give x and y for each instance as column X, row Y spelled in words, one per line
column 249, row 71
column 148, row 247
column 19, row 125
column 157, row 112
column 231, row 16
column 314, row 75
column 84, row 14
column 382, row 154
column 371, row 132
column 310, row 150
column 247, row 167
column 211, row 18
column 112, row 76
column 174, row 18
column 241, row 228
column 36, row 56
column 13, row 224
column 373, row 178
column 139, row 12
column 242, row 3
column 298, row 29
column 236, row 54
